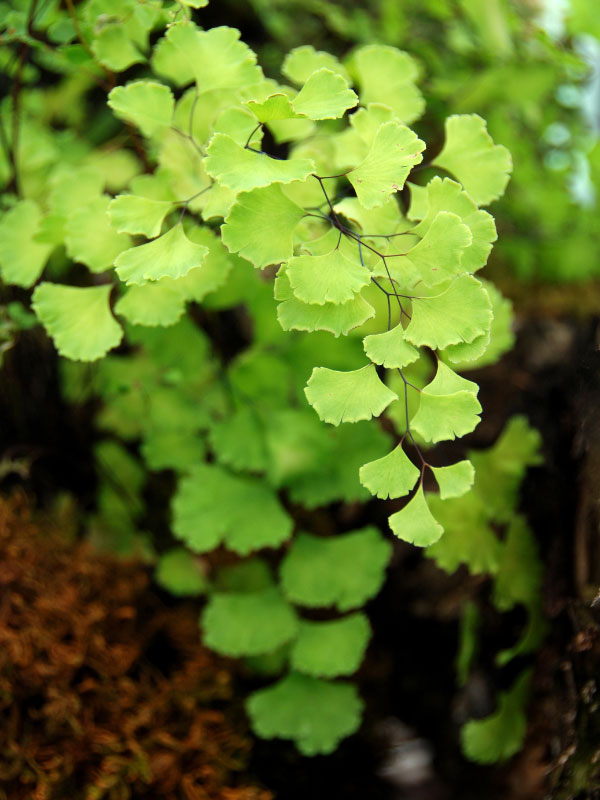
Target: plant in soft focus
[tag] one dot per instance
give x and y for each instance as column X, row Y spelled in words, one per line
column 253, row 248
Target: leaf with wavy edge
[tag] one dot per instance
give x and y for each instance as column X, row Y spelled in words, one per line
column 437, row 257
column 415, row 523
column 455, row 480
column 392, row 476
column 293, row 708
column 77, row 319
column 148, row 104
column 390, row 349
column 260, row 226
column 394, row 152
column 130, row 213
column 330, row 278
column 248, row 623
column 241, row 169
column 172, row 255
column 331, row 648
column 347, row 396
column 448, row 407
column 470, row 154
column 460, row 314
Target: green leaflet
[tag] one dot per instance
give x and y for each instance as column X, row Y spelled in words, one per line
column 314, row 713
column 360, row 557
column 300, row 63
column 499, row 736
column 330, row 278
column 213, row 506
column 157, row 303
column 214, row 270
column 90, row 239
column 347, row 396
column 395, row 150
column 448, row 407
column 238, row 441
column 130, row 213
column 390, row 349
column 148, row 104
column 387, row 75
column 172, row 255
column 22, row 257
column 461, row 313
column 393, row 475
column 181, row 573
column 260, row 226
column 78, row 320
column 241, row 169
column 447, row 195
column 248, row 623
column 415, row 523
column 114, row 49
column 471, row 156
column 337, row 318
column 325, row 95
column 486, row 349
column 215, row 59
column 468, row 538
column 455, row 480
column 333, row 648
column 437, row 257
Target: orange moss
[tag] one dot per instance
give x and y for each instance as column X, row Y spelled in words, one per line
column 104, row 692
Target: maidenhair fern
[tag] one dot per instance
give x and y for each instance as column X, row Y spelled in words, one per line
column 372, row 264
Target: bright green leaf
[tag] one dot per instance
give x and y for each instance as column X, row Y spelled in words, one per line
column 394, row 152
column 459, row 314
column 213, row 506
column 448, row 407
column 22, row 258
column 437, row 257
column 114, row 49
column 387, row 75
column 78, row 320
column 300, row 63
column 215, row 59
column 393, row 475
column 260, row 226
column 447, row 195
column 390, row 349
column 454, row 480
column 241, row 169
column 415, row 523
column 130, row 213
column 157, row 303
column 90, row 239
column 330, row 278
column 248, row 623
column 333, row 648
column 172, row 255
column 337, row 318
column 360, row 558
column 148, row 104
column 471, row 156
column 347, row 396
column 325, row 95
column 314, row 713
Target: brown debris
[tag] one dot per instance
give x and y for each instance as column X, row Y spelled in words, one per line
column 105, row 694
